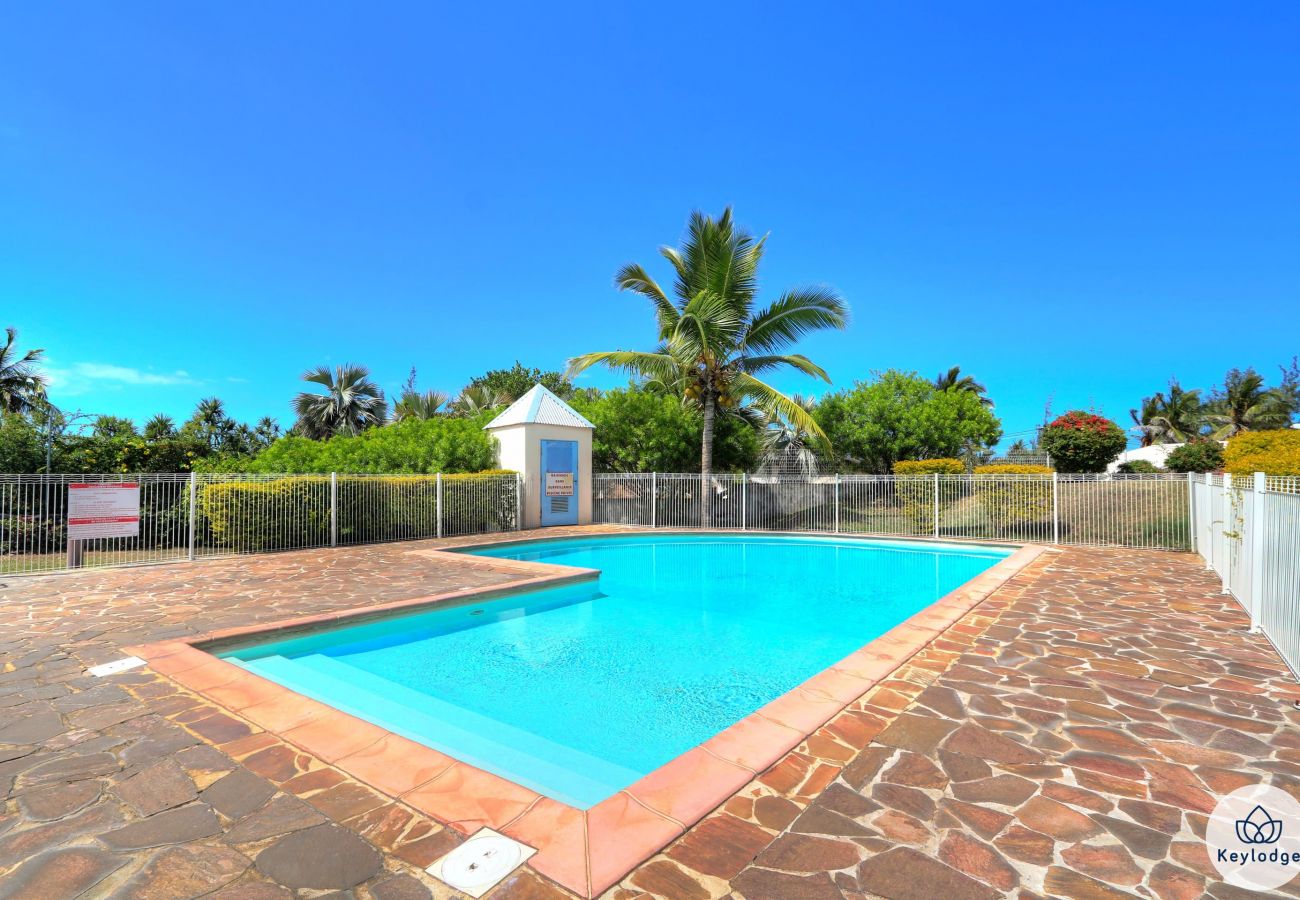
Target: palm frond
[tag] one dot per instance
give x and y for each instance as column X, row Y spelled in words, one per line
column 756, row 364
column 794, row 314
column 660, row 367
column 770, row 400
column 632, row 277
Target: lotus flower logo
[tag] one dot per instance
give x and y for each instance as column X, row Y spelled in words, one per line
column 1259, row 827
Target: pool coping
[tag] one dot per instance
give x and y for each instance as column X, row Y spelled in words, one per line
column 585, row 851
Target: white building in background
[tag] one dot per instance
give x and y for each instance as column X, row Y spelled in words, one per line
column 1155, row 454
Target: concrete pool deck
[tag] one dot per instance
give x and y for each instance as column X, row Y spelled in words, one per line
column 1063, row 738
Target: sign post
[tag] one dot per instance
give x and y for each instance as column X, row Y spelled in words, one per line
column 101, row 510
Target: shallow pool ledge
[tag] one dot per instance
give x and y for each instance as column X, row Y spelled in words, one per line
column 586, row 851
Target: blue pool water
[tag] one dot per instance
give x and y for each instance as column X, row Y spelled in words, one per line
column 576, row 692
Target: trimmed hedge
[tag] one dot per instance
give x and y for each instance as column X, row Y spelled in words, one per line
column 1014, row 501
column 1271, row 452
column 943, row 466
column 294, row 511
column 917, row 495
column 1137, row 467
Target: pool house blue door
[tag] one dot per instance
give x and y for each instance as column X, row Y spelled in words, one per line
column 559, row 483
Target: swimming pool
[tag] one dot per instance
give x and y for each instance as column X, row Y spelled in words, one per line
column 578, row 691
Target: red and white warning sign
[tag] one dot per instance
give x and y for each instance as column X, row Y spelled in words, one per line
column 103, row 510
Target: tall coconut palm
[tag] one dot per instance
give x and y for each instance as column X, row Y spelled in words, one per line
column 351, row 402
column 419, row 405
column 1174, row 419
column 1244, row 404
column 953, row 380
column 713, row 343
column 22, row 386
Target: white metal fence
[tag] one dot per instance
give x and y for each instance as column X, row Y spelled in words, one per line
column 1247, row 529
column 1147, row 511
column 187, row 516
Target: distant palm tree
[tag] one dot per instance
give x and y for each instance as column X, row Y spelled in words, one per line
column 788, row 448
column 159, row 428
column 419, row 405
column 476, row 399
column 712, row 342
column 1174, row 419
column 266, row 430
column 351, row 402
column 953, row 380
column 21, row 385
column 1244, row 404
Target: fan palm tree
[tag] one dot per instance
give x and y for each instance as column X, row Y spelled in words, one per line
column 953, row 380
column 1174, row 419
column 476, row 399
column 713, row 343
column 351, row 402
column 789, row 449
column 419, row 405
column 21, row 385
column 1244, row 404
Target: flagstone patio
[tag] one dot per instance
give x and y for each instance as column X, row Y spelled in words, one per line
column 1066, row 738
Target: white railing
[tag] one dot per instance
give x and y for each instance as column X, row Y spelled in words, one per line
column 1146, row 511
column 1247, row 530
column 187, row 516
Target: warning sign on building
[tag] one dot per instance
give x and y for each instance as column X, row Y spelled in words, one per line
column 559, row 484
column 103, row 510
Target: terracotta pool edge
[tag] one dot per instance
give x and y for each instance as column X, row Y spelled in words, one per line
column 585, row 851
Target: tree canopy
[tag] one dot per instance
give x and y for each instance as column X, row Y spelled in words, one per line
column 902, row 416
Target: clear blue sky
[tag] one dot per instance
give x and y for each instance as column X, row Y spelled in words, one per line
column 1071, row 201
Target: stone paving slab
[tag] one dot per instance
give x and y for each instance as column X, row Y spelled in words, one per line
column 1066, row 738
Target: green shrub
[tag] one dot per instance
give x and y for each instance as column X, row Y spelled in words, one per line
column 1014, row 501
column 916, row 494
column 1271, row 452
column 1082, row 442
column 1201, row 455
column 295, row 511
column 415, row 446
column 1137, row 467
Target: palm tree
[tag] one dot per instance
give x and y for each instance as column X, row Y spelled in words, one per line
column 21, row 385
column 1175, row 419
column 1244, row 404
column 266, row 430
column 953, row 380
column 419, row 405
column 712, row 342
column 159, row 428
column 476, row 399
column 789, row 449
column 351, row 402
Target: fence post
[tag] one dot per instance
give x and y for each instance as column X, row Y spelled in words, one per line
column 1191, row 512
column 1056, row 511
column 936, row 504
column 1207, row 553
column 438, row 505
column 744, row 502
column 1256, row 530
column 519, row 501
column 1226, row 568
column 334, row 509
column 654, row 498
column 837, row 502
column 194, row 494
